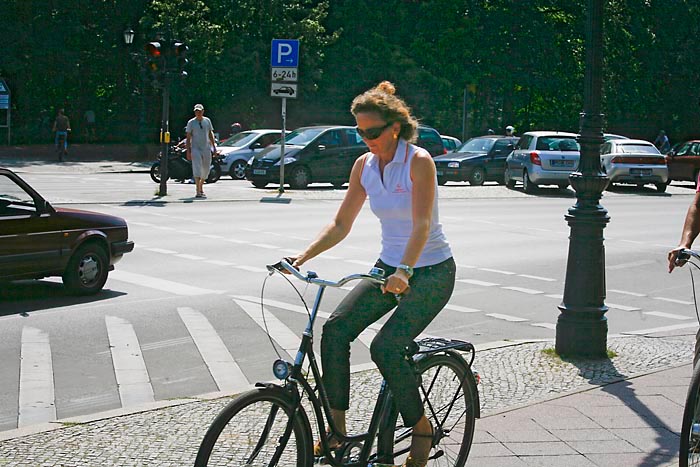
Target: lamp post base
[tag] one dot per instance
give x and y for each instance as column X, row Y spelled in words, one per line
column 582, row 334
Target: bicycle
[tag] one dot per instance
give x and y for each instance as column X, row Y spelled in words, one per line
column 61, row 145
column 269, row 426
column 689, row 451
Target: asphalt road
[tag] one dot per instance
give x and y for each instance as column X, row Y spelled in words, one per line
column 180, row 315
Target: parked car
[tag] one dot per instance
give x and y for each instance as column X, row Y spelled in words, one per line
column 609, row 136
column 542, row 158
column 634, row 161
column 238, row 149
column 683, row 161
column 450, row 142
column 477, row 160
column 429, row 139
column 38, row 240
column 312, row 154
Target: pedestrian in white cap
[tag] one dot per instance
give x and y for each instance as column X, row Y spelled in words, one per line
column 510, row 130
column 200, row 141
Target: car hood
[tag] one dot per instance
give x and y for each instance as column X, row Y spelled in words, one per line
column 226, row 150
column 79, row 218
column 459, row 156
column 272, row 152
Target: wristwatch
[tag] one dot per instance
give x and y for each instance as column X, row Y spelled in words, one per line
column 405, row 268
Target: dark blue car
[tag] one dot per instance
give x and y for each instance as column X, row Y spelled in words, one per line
column 477, row 160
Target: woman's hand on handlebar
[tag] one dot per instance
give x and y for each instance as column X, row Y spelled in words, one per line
column 396, row 283
column 673, row 260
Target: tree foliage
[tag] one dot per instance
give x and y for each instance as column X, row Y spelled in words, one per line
column 506, row 62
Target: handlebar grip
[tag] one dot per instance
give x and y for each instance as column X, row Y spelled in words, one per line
column 683, row 255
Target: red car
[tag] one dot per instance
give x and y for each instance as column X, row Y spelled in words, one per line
column 683, row 161
column 38, row 240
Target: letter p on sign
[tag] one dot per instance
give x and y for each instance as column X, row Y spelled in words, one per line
column 284, row 53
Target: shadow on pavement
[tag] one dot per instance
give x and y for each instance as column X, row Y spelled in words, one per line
column 22, row 297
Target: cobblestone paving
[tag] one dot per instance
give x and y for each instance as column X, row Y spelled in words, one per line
column 511, row 376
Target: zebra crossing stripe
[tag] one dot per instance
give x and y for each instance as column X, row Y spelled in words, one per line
column 280, row 333
column 36, row 385
column 133, row 381
column 222, row 366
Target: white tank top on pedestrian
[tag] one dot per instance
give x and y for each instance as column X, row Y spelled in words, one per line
column 390, row 200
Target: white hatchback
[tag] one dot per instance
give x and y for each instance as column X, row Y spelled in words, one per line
column 238, row 149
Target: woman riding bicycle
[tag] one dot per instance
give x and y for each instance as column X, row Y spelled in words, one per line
column 400, row 180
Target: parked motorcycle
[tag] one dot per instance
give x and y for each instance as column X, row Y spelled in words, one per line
column 180, row 169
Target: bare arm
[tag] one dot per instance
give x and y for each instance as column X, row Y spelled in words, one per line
column 341, row 225
column 188, row 145
column 691, row 229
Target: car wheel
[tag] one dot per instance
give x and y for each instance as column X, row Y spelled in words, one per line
column 477, row 177
column 661, row 187
column 299, row 178
column 509, row 182
column 155, row 172
column 441, row 180
column 259, row 184
column 237, row 170
column 528, row 186
column 87, row 270
column 214, row 174
column 338, row 185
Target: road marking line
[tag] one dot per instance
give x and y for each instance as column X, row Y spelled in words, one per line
column 218, row 262
column 248, row 229
column 497, row 271
column 133, row 381
column 475, row 282
column 176, row 288
column 672, row 300
column 166, row 343
column 334, row 258
column 162, row 227
column 141, row 224
column 235, row 240
column 466, row 266
column 673, row 327
column 279, row 332
column 624, row 292
column 513, row 319
column 622, row 307
column 161, row 250
column 222, row 366
column 630, row 265
column 250, row 268
column 461, row 309
column 556, row 296
column 538, row 278
column 192, row 257
column 524, row 290
column 189, row 232
column 265, row 246
column 360, row 262
column 213, row 237
column 661, row 314
column 36, row 385
column 544, row 325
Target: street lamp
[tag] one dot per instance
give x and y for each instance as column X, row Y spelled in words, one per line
column 128, row 36
column 582, row 327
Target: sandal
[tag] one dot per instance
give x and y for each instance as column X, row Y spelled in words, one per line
column 415, row 461
column 333, row 444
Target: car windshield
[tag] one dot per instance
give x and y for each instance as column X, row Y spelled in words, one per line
column 637, row 149
column 557, row 143
column 303, row 136
column 240, row 139
column 477, row 145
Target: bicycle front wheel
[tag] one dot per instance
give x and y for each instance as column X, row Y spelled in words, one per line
column 689, row 455
column 451, row 404
column 255, row 430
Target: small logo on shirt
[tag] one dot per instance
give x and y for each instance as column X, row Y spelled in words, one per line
column 399, row 189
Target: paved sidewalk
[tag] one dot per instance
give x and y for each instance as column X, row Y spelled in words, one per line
column 537, row 410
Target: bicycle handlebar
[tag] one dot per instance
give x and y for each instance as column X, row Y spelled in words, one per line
column 376, row 275
column 685, row 254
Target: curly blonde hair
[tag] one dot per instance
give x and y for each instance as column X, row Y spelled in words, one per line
column 383, row 101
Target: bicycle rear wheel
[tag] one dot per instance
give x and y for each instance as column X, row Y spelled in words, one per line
column 689, row 455
column 251, row 431
column 451, row 404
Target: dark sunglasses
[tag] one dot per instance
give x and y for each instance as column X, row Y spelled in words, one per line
column 373, row 133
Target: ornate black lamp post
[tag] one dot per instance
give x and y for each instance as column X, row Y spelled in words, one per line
column 582, row 327
column 138, row 57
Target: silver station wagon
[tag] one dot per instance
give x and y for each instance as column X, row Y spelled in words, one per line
column 542, row 158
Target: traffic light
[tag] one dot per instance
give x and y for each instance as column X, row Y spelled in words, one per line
column 154, row 58
column 180, row 50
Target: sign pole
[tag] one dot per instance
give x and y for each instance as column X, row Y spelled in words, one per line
column 284, row 131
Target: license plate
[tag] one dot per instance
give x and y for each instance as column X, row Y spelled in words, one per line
column 557, row 163
column 259, row 172
column 440, row 172
column 640, row 172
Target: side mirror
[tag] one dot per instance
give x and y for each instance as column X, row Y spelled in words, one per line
column 321, row 147
column 256, row 145
column 510, row 147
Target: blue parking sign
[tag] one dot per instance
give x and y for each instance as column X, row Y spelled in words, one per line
column 284, row 53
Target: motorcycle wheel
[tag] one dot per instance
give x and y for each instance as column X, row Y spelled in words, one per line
column 155, row 172
column 214, row 174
